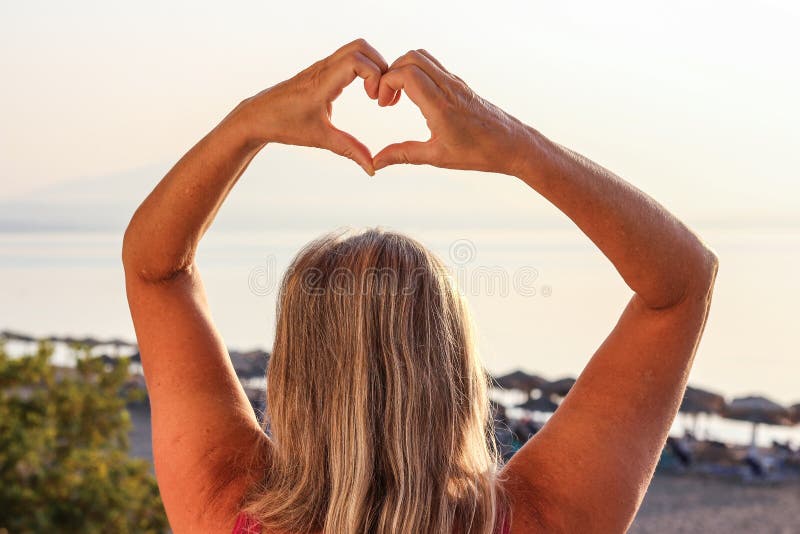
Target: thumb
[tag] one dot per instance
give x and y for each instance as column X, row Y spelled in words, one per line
column 346, row 145
column 415, row 152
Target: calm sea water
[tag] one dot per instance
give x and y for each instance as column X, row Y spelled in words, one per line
column 543, row 300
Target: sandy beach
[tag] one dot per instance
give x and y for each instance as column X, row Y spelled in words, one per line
column 685, row 504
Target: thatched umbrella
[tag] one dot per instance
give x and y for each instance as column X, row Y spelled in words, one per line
column 794, row 413
column 540, row 404
column 696, row 401
column 16, row 336
column 559, row 387
column 251, row 364
column 69, row 340
column 757, row 410
column 520, row 380
column 119, row 342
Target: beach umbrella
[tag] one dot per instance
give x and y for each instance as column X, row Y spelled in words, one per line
column 757, row 410
column 119, row 342
column 540, row 404
column 249, row 364
column 794, row 413
column 696, row 401
column 560, row 387
column 520, row 380
column 69, row 340
column 16, row 336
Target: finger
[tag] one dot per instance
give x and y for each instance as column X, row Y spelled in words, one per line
column 394, row 98
column 415, row 57
column 435, row 61
column 346, row 145
column 417, row 85
column 439, row 64
column 344, row 71
column 414, row 152
column 361, row 45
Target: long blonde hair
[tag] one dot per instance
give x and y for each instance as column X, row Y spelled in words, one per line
column 377, row 401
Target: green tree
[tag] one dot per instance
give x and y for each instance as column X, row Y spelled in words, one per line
column 64, row 463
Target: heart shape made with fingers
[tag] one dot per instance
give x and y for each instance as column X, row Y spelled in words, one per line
column 416, row 73
column 465, row 132
column 377, row 126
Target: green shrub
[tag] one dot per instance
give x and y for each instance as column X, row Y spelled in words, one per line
column 64, row 463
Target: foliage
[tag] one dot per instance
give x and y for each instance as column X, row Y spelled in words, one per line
column 64, row 463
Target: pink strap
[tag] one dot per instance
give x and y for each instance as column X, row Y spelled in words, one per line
column 506, row 528
column 246, row 525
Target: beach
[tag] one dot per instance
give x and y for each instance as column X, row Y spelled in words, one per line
column 689, row 504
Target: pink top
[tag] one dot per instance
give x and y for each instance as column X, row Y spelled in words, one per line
column 246, row 525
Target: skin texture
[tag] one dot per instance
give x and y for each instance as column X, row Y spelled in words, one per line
column 588, row 469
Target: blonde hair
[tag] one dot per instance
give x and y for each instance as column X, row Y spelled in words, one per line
column 377, row 401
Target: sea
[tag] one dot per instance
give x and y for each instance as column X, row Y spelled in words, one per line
column 543, row 300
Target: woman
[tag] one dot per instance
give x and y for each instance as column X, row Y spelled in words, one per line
column 377, row 403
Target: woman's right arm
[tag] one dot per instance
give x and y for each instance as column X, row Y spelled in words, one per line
column 589, row 467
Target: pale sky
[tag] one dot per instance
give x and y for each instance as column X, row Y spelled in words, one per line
column 693, row 101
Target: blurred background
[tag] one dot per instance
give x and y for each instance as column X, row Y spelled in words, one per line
column 695, row 103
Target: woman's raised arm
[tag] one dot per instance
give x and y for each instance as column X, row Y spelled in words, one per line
column 207, row 443
column 163, row 233
column 589, row 467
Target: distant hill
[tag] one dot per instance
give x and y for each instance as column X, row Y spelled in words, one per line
column 293, row 186
column 87, row 203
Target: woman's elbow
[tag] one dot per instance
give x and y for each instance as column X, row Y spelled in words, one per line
column 709, row 269
column 144, row 261
column 703, row 276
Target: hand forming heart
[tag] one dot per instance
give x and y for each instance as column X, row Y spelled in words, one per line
column 467, row 132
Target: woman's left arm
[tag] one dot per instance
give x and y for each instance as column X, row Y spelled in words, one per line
column 207, row 443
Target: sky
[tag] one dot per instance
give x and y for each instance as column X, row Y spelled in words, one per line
column 694, row 104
